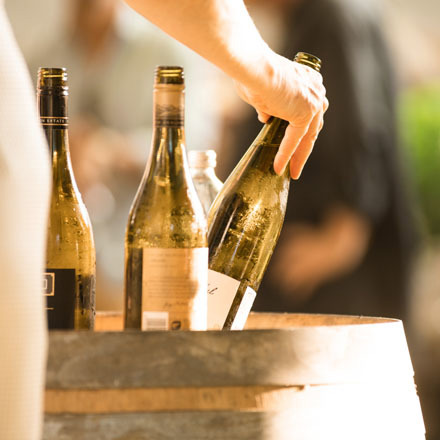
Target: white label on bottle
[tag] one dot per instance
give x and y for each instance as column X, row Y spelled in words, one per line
column 175, row 281
column 49, row 284
column 244, row 309
column 154, row 320
column 221, row 294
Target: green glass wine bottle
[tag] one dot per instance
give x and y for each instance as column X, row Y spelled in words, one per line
column 245, row 221
column 69, row 280
column 166, row 249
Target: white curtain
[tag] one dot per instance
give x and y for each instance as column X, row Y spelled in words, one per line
column 24, row 191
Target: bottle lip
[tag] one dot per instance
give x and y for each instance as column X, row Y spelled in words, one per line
column 308, row 60
column 52, row 78
column 169, row 75
column 202, row 158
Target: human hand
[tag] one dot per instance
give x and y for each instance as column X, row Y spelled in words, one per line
column 295, row 93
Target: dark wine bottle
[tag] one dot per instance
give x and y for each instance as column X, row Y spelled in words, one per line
column 69, row 281
column 245, row 221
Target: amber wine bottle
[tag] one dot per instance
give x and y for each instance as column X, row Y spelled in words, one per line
column 245, row 221
column 69, row 280
column 166, row 253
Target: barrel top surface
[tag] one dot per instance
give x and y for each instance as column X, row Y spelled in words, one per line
column 113, row 320
column 333, row 349
column 295, row 320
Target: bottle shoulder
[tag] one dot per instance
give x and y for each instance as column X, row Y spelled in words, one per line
column 258, row 190
column 162, row 216
column 69, row 215
column 70, row 241
column 156, row 199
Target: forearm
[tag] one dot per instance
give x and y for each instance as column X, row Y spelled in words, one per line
column 223, row 33
column 219, row 30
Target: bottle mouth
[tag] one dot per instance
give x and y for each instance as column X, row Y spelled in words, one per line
column 169, row 75
column 308, row 60
column 52, row 78
column 202, row 158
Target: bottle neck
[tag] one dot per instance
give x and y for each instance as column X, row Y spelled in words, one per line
column 206, row 172
column 265, row 147
column 168, row 117
column 168, row 155
column 168, row 106
column 263, row 150
column 54, row 120
column 272, row 132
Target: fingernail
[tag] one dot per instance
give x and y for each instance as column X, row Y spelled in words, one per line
column 279, row 169
column 297, row 175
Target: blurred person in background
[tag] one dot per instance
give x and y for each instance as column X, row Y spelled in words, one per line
column 349, row 238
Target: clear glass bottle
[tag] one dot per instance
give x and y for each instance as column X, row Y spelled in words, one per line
column 202, row 165
column 245, row 221
column 69, row 281
column 166, row 253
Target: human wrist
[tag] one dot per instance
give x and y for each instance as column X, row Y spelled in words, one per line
column 259, row 68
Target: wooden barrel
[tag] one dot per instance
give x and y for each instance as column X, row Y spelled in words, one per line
column 286, row 377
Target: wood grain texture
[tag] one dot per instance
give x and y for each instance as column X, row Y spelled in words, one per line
column 109, row 321
column 320, row 354
column 289, row 320
column 113, row 321
column 162, row 426
column 168, row 399
column 256, row 398
column 312, row 377
column 314, row 413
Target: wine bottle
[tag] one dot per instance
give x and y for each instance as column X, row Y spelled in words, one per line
column 69, row 280
column 202, row 165
column 245, row 221
column 166, row 253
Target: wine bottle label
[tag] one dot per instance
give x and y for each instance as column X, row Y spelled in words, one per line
column 174, row 281
column 155, row 320
column 221, row 293
column 244, row 309
column 169, row 106
column 168, row 116
column 54, row 122
column 59, row 287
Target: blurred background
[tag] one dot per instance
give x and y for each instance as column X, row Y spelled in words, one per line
column 365, row 216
